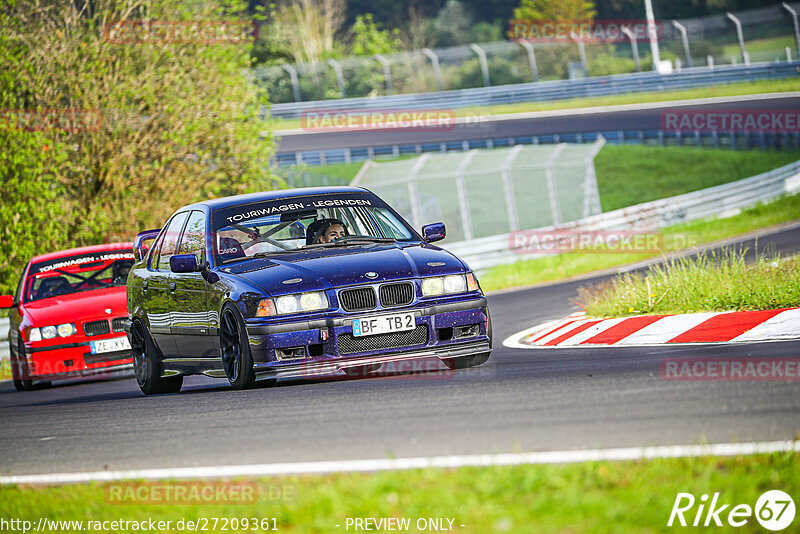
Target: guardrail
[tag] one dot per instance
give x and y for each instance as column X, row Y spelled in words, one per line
column 724, row 140
column 4, row 355
column 487, row 252
column 551, row 90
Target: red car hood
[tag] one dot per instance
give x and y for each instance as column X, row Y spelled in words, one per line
column 78, row 307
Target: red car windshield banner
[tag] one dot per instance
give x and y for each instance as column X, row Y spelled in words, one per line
column 76, row 263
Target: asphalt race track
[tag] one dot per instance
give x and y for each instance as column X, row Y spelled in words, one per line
column 555, row 122
column 521, row 400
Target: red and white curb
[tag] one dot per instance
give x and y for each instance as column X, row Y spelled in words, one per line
column 578, row 330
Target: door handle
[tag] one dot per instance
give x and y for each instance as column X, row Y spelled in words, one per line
column 172, row 287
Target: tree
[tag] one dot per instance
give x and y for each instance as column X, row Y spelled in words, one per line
column 561, row 11
column 368, row 38
column 452, row 24
column 104, row 138
column 309, row 27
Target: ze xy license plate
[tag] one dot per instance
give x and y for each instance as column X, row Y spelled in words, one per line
column 110, row 345
column 383, row 324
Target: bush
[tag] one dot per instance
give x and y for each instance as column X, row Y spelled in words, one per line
column 176, row 123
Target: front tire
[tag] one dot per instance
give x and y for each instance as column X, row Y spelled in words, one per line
column 237, row 360
column 19, row 369
column 146, row 365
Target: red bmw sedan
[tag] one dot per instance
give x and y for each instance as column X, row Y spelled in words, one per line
column 67, row 315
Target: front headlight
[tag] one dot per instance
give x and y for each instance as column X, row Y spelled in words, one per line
column 448, row 285
column 296, row 303
column 49, row 332
column 432, row 287
column 66, row 329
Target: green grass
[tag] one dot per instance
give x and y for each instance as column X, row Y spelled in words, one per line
column 757, row 46
column 737, row 89
column 5, row 370
column 553, row 268
column 711, row 282
column 601, row 497
column 628, row 175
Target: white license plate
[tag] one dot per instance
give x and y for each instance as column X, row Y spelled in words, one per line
column 383, row 324
column 110, row 345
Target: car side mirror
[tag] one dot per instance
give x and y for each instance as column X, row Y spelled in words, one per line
column 6, row 301
column 434, row 232
column 183, row 263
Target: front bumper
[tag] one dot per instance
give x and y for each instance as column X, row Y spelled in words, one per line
column 322, row 346
column 66, row 360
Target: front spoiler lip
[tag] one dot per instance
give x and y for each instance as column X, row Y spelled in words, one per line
column 311, row 369
column 84, row 372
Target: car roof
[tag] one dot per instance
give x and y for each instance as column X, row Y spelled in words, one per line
column 226, row 202
column 82, row 250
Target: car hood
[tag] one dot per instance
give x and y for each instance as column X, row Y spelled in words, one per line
column 336, row 267
column 78, row 307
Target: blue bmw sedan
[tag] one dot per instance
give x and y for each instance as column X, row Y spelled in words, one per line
column 296, row 283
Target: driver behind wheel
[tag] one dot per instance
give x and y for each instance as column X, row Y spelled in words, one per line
column 325, row 231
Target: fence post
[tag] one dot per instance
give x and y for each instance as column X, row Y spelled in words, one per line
column 531, row 59
column 793, row 13
column 685, row 38
column 339, row 77
column 413, row 194
column 739, row 36
column 555, row 209
column 387, row 72
column 508, row 189
column 634, row 47
column 293, row 76
column 710, row 59
column 484, row 66
column 430, row 54
column 461, row 191
column 581, row 52
column 591, row 198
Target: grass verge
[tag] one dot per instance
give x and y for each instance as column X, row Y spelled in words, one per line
column 736, row 89
column 628, row 175
column 552, row 268
column 5, row 370
column 633, row 496
column 714, row 281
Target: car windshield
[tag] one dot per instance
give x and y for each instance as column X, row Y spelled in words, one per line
column 313, row 222
column 73, row 274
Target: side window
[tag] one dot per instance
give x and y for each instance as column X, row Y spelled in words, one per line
column 170, row 240
column 194, row 237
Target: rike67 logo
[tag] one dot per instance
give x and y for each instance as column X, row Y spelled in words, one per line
column 774, row 510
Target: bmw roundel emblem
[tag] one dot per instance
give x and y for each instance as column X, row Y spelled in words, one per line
column 371, row 274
